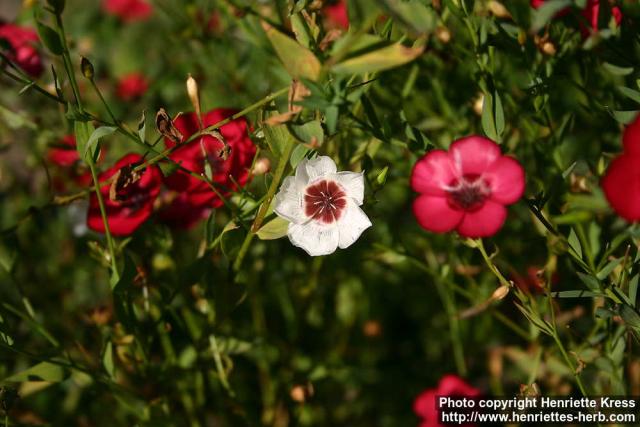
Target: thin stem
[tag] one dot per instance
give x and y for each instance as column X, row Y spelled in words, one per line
column 264, row 207
column 89, row 159
column 104, row 102
column 487, row 259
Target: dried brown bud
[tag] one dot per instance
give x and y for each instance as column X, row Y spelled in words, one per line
column 124, row 177
column 87, row 68
column 165, row 126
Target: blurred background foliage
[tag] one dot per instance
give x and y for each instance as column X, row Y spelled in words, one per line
column 351, row 338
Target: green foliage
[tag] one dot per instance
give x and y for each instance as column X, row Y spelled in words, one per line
column 226, row 323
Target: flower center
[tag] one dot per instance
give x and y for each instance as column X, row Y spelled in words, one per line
column 468, row 192
column 325, row 201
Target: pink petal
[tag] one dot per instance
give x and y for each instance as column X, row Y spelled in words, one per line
column 434, row 214
column 631, row 137
column 473, row 155
column 433, row 173
column 484, row 222
column 506, row 179
column 621, row 186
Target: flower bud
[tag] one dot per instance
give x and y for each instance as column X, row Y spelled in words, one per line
column 57, row 6
column 498, row 9
column 500, row 293
column 443, row 34
column 194, row 97
column 87, row 68
column 262, row 166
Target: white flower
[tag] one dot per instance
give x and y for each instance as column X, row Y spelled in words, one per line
column 322, row 206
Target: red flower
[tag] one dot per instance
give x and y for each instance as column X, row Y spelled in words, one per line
column 133, row 204
column 65, row 153
column 621, row 183
column 22, row 41
column 65, row 156
column 466, row 188
column 336, row 14
column 128, row 10
column 195, row 196
column 132, row 86
column 425, row 405
column 590, row 13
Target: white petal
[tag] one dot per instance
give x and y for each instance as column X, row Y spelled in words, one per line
column 288, row 201
column 352, row 224
column 315, row 239
column 302, row 179
column 353, row 183
column 320, row 166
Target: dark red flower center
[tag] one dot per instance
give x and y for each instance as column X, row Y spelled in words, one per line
column 468, row 193
column 325, row 201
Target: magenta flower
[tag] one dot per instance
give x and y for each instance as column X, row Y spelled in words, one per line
column 467, row 188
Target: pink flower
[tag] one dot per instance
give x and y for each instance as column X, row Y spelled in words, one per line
column 425, row 405
column 23, row 41
column 466, row 189
column 590, row 13
column 336, row 14
column 128, row 10
column 132, row 86
column 621, row 183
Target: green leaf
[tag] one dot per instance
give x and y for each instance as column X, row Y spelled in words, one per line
column 591, row 282
column 604, row 273
column 142, row 127
column 107, row 360
column 630, row 316
column 92, row 143
column 543, row 14
column 574, row 244
column 487, row 119
column 44, row 371
column 50, row 38
column 630, row 93
column 624, row 117
column 298, row 154
column 83, row 131
column 277, row 138
column 381, row 59
column 310, row 132
column 274, row 229
column 412, row 14
column 297, row 59
column 575, row 294
column 617, row 70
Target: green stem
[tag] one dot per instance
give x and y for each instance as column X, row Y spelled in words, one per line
column 104, row 102
column 264, row 207
column 487, row 259
column 76, row 92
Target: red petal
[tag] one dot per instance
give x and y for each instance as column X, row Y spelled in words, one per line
column 484, row 222
column 631, row 137
column 473, row 155
column 434, row 214
column 621, row 186
column 506, row 180
column 433, row 173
